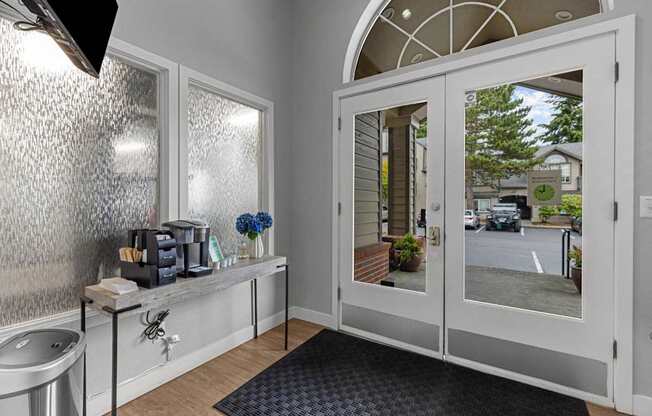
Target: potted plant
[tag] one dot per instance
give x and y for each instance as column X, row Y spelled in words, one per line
column 253, row 227
column 575, row 256
column 409, row 253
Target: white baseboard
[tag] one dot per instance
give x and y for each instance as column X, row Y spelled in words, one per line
column 148, row 381
column 315, row 317
column 642, row 405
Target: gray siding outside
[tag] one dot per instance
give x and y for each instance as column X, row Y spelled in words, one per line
column 402, row 181
column 367, row 179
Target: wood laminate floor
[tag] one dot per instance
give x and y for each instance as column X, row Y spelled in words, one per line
column 195, row 393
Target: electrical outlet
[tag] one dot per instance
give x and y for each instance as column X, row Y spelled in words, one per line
column 170, row 342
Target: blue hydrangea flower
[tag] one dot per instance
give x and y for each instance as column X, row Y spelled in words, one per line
column 265, row 219
column 252, row 226
column 243, row 223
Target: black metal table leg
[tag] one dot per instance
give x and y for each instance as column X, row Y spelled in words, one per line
column 255, row 308
column 83, row 329
column 114, row 366
column 114, row 354
column 287, row 302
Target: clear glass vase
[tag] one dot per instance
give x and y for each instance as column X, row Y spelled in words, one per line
column 256, row 247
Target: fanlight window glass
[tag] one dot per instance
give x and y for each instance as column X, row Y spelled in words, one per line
column 407, row 32
column 555, row 160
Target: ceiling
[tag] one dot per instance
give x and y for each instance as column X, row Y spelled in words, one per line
column 412, row 31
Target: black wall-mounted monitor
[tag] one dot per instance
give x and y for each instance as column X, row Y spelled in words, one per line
column 81, row 29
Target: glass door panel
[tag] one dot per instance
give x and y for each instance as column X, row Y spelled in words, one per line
column 523, row 194
column 390, row 184
column 391, row 175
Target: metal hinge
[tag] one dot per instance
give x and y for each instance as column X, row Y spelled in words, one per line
column 615, row 349
column 339, row 293
column 615, row 210
column 339, row 208
column 617, row 72
column 339, row 123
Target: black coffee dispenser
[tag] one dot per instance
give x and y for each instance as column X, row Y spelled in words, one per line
column 187, row 233
column 158, row 264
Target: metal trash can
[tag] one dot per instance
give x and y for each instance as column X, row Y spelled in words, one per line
column 41, row 373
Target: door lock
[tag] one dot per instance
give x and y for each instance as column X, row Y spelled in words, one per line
column 434, row 235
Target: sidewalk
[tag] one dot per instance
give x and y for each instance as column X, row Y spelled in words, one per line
column 530, row 224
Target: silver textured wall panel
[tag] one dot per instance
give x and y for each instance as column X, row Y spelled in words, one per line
column 78, row 167
column 224, row 142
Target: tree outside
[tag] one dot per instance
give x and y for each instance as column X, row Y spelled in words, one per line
column 565, row 125
column 500, row 139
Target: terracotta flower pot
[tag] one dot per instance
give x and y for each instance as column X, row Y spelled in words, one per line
column 412, row 265
column 576, row 275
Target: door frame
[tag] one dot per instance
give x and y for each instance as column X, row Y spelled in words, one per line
column 624, row 29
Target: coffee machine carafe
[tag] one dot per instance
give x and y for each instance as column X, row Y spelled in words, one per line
column 187, row 234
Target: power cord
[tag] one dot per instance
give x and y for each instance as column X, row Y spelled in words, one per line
column 27, row 19
column 154, row 330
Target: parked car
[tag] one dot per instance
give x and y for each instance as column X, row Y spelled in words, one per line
column 504, row 217
column 471, row 219
column 576, row 225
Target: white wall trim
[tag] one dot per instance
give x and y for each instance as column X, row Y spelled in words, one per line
column 319, row 318
column 189, row 76
column 129, row 390
column 625, row 30
column 360, row 33
column 642, row 405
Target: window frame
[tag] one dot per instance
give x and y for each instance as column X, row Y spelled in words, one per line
column 188, row 77
column 167, row 73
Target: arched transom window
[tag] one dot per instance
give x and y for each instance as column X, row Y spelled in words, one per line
column 407, row 32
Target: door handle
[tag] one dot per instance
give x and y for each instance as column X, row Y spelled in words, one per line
column 434, row 235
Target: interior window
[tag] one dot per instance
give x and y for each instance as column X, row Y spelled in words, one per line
column 223, row 162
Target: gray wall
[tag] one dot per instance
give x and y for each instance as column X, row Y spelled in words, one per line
column 322, row 33
column 323, row 29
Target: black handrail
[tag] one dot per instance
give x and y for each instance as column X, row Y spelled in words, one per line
column 565, row 251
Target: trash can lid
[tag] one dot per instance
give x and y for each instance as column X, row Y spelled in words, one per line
column 34, row 358
column 33, row 348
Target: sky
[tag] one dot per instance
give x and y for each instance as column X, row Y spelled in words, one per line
column 541, row 111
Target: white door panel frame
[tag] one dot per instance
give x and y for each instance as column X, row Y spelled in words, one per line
column 419, row 306
column 624, row 29
column 592, row 335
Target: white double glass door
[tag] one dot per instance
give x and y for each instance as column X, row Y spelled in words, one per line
column 477, row 217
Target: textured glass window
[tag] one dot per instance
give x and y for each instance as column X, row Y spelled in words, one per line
column 223, row 153
column 78, row 167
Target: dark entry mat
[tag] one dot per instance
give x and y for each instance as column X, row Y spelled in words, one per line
column 334, row 374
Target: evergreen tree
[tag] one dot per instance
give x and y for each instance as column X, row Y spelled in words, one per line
column 499, row 138
column 566, row 123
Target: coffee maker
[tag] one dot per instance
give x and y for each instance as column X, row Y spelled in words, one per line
column 188, row 234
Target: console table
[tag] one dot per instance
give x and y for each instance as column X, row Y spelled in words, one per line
column 183, row 289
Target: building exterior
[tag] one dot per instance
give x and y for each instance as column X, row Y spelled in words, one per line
column 565, row 157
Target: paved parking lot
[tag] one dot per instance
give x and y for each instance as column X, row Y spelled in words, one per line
column 521, row 270
column 534, row 250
